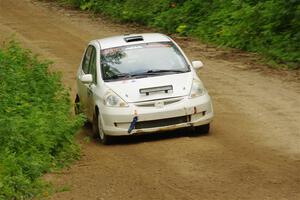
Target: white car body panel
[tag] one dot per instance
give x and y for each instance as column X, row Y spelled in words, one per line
column 122, row 118
column 128, row 90
column 118, row 41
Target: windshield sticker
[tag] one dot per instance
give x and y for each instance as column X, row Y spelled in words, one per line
column 111, row 51
column 156, row 45
column 134, row 47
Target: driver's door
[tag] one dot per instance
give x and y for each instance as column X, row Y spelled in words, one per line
column 91, row 88
column 83, row 87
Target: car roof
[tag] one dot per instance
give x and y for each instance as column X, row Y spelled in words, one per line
column 121, row 40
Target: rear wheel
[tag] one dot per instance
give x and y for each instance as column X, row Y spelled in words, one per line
column 98, row 131
column 77, row 108
column 204, row 129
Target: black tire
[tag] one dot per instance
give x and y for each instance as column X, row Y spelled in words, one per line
column 77, row 109
column 95, row 129
column 203, row 130
column 98, row 132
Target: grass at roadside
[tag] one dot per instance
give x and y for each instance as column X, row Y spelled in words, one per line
column 270, row 28
column 36, row 123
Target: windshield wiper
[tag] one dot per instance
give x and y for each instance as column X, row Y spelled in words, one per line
column 120, row 75
column 144, row 74
column 158, row 72
column 125, row 76
column 165, row 71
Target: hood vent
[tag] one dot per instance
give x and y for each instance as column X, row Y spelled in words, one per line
column 133, row 38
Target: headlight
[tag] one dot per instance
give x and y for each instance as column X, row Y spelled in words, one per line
column 197, row 89
column 113, row 100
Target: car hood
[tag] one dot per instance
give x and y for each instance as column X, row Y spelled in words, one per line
column 130, row 90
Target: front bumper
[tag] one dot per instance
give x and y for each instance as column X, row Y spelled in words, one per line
column 198, row 111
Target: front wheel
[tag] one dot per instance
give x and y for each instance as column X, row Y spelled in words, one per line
column 98, row 130
column 204, row 129
column 77, row 108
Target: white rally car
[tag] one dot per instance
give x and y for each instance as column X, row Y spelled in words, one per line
column 141, row 83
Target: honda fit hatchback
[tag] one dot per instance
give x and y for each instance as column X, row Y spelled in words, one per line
column 142, row 83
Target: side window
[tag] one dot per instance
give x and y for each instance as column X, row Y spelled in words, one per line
column 86, row 60
column 93, row 66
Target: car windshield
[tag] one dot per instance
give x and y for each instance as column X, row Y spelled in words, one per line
column 142, row 60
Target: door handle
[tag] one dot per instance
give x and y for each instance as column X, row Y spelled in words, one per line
column 90, row 92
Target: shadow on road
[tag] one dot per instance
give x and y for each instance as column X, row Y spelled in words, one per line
column 149, row 137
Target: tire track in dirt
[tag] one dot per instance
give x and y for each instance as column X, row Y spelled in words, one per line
column 252, row 152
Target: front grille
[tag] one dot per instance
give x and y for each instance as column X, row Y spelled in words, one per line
column 162, row 122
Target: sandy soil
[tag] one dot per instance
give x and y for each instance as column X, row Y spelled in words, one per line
column 253, row 151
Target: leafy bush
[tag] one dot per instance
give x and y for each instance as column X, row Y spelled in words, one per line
column 36, row 130
column 270, row 27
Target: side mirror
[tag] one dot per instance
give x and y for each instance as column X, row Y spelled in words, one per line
column 197, row 64
column 86, row 78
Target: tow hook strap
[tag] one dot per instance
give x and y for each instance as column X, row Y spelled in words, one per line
column 132, row 125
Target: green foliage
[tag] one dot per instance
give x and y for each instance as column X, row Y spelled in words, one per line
column 270, row 27
column 36, row 127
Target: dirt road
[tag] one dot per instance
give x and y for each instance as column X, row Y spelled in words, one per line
column 253, row 151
